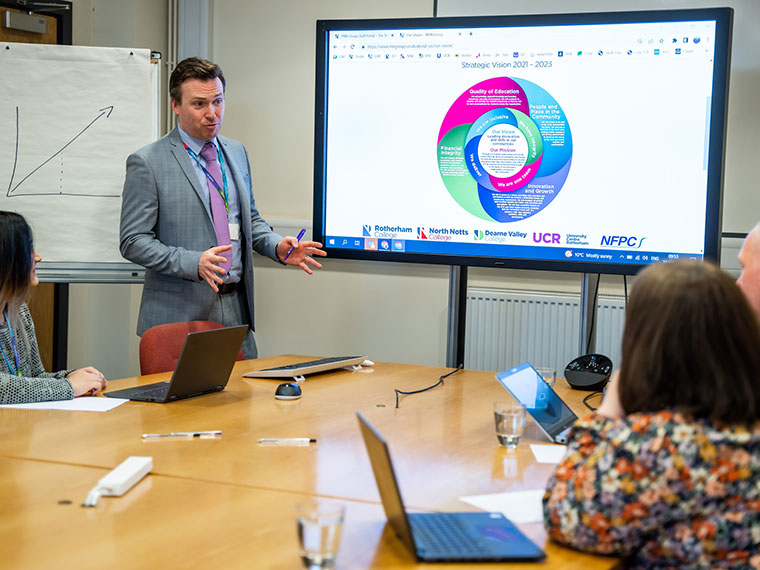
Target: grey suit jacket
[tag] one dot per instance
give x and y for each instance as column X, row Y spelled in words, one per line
column 165, row 227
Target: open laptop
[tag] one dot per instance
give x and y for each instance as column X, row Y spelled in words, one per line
column 544, row 405
column 443, row 537
column 203, row 367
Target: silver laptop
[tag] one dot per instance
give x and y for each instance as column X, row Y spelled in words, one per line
column 204, row 366
column 443, row 537
column 544, row 405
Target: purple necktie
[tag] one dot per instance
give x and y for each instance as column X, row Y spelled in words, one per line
column 218, row 210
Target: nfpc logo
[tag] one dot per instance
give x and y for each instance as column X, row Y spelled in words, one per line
column 421, row 233
column 479, row 234
column 632, row 242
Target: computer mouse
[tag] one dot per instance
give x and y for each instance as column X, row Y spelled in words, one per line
column 288, row 391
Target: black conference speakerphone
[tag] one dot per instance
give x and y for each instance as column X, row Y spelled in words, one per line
column 589, row 372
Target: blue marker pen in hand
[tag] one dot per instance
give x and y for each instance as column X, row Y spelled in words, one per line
column 300, row 235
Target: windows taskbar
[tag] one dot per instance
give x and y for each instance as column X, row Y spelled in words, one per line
column 536, row 252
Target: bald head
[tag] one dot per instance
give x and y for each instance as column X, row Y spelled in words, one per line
column 749, row 259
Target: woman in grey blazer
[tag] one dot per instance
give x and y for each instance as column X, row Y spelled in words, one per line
column 22, row 377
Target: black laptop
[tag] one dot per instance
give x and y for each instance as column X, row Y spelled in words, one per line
column 204, row 366
column 444, row 537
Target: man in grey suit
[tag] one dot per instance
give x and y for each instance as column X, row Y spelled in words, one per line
column 188, row 215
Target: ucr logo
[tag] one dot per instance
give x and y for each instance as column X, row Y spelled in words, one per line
column 546, row 237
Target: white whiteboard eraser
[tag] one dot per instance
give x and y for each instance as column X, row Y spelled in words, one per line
column 125, row 476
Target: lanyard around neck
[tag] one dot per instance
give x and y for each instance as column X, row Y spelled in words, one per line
column 223, row 191
column 17, row 372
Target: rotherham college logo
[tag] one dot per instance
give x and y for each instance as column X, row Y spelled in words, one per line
column 421, row 233
column 366, row 230
column 479, row 234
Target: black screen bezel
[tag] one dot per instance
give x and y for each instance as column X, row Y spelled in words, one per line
column 723, row 18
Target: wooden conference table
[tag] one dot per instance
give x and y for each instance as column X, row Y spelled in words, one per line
column 228, row 502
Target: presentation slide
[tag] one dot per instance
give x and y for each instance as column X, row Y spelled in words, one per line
column 568, row 142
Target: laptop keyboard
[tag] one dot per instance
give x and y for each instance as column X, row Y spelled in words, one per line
column 295, row 367
column 158, row 392
column 443, row 533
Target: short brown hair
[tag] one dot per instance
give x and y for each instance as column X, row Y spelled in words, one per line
column 691, row 344
column 193, row 68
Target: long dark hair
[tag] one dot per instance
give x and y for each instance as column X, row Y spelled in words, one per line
column 691, row 344
column 16, row 251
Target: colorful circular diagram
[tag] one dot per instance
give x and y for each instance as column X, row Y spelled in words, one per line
column 504, row 149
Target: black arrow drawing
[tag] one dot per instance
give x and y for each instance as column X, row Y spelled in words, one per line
column 105, row 111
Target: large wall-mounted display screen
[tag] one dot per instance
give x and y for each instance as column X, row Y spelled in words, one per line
column 577, row 142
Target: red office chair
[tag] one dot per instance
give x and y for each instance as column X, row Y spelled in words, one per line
column 160, row 346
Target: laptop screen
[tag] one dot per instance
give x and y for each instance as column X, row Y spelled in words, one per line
column 206, row 361
column 387, row 485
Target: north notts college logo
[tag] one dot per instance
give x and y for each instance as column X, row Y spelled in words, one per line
column 421, row 233
column 478, row 234
column 367, row 230
column 632, row 242
column 444, row 234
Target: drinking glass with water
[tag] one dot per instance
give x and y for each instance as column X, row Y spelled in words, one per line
column 319, row 529
column 509, row 420
column 548, row 374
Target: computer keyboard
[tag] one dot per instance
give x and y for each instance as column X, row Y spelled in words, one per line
column 443, row 535
column 158, row 392
column 308, row 367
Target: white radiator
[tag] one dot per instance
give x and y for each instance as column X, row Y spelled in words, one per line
column 507, row 327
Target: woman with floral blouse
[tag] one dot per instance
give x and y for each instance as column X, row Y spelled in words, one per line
column 667, row 471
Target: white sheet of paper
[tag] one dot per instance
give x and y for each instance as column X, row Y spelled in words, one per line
column 83, row 404
column 70, row 165
column 517, row 506
column 548, row 453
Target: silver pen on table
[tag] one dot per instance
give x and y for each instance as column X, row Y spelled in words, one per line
column 288, row 440
column 183, row 434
